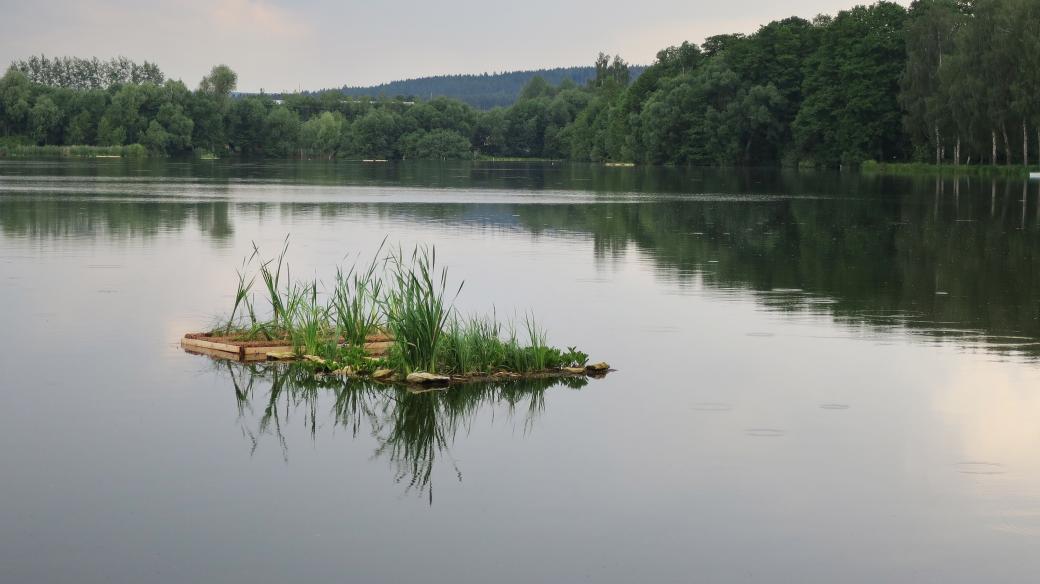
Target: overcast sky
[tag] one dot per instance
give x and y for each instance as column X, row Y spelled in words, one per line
column 309, row 44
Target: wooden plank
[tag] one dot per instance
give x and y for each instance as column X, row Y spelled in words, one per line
column 379, row 345
column 378, row 348
column 225, row 354
column 265, row 350
column 211, row 345
column 211, row 353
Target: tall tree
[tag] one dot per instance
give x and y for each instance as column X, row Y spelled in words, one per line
column 850, row 112
column 931, row 32
column 221, row 81
column 15, row 93
column 44, row 118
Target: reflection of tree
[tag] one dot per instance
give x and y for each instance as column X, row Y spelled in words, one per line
column 953, row 259
column 413, row 430
column 49, row 218
column 867, row 249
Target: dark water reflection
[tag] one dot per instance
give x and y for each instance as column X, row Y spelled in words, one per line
column 822, row 377
column 413, row 430
column 948, row 258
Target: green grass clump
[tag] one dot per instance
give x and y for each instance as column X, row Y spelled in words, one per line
column 404, row 295
column 356, row 302
column 473, row 345
column 417, row 308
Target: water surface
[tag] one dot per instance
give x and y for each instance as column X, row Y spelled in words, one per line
column 821, row 377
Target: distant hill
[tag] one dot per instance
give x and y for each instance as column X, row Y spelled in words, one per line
column 483, row 91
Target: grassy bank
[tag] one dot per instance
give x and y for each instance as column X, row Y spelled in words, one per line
column 921, row 168
column 484, row 158
column 33, row 151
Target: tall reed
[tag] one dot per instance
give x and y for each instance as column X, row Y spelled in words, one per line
column 406, row 295
column 416, row 308
column 272, row 280
column 242, row 292
column 356, row 301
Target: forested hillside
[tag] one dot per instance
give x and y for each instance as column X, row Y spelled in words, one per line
column 945, row 81
column 483, row 91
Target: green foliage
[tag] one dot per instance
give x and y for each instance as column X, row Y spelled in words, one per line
column 348, row 357
column 110, row 133
column 375, row 134
column 473, row 345
column 610, row 75
column 246, row 121
column 356, row 302
column 221, row 81
column 321, row 136
column 77, row 73
column 43, row 119
column 574, row 358
column 15, row 102
column 281, row 132
column 417, row 308
column 436, row 145
column 484, row 91
column 946, row 80
column 850, row 112
column 15, row 149
column 405, row 295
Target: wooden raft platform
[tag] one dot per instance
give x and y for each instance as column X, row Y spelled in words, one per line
column 223, row 347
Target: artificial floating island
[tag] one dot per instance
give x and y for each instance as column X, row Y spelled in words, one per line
column 392, row 321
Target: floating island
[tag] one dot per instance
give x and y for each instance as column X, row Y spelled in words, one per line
column 392, row 321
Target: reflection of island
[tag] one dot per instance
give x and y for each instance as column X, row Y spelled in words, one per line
column 413, row 430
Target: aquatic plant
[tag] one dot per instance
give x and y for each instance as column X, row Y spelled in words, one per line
column 308, row 321
column 279, row 306
column 472, row 345
column 242, row 292
column 400, row 296
column 356, row 301
column 416, row 308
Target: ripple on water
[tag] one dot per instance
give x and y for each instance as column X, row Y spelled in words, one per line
column 765, row 432
column 834, row 406
column 651, row 328
column 1024, row 522
column 1014, row 529
column 712, row 407
column 975, row 467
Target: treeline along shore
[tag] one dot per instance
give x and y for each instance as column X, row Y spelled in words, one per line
column 944, row 82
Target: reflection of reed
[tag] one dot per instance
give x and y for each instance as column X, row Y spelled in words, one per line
column 412, row 429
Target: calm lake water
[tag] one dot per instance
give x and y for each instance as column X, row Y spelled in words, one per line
column 821, row 378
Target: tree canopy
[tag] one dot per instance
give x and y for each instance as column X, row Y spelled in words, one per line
column 946, row 81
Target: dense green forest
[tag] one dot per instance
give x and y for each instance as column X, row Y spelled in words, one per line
column 483, row 91
column 946, row 81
